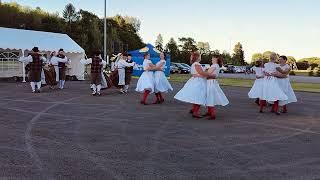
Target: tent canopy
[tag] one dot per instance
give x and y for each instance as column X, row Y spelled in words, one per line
column 137, row 57
column 18, row 39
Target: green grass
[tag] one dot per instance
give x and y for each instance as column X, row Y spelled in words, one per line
column 306, row 87
column 301, row 72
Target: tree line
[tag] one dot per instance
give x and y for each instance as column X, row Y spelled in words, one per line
column 84, row 27
column 302, row 64
column 180, row 51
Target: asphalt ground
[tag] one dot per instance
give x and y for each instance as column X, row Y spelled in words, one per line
column 71, row 135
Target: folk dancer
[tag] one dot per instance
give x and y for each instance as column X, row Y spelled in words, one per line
column 162, row 84
column 97, row 64
column 215, row 95
column 35, row 61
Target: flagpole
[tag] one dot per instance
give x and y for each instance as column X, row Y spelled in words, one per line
column 105, row 32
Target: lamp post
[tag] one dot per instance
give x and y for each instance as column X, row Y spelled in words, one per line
column 105, row 31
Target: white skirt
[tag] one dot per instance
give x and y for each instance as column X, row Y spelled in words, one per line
column 56, row 69
column 257, row 89
column 271, row 91
column 122, row 76
column 287, row 89
column 146, row 82
column 215, row 95
column 161, row 82
column 194, row 91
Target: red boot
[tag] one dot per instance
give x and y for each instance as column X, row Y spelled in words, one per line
column 144, row 98
column 192, row 110
column 161, row 98
column 275, row 107
column 208, row 112
column 257, row 101
column 284, row 109
column 196, row 113
column 262, row 104
column 212, row 113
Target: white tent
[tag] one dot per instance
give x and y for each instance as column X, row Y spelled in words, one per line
column 16, row 42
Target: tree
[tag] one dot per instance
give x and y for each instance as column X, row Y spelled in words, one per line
column 187, row 44
column 173, row 49
column 292, row 62
column 159, row 43
column 204, row 47
column 227, row 58
column 70, row 15
column 135, row 22
column 256, row 57
column 238, row 55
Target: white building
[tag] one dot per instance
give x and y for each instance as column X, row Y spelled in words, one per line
column 16, row 42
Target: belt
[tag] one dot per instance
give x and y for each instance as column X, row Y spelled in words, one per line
column 211, row 78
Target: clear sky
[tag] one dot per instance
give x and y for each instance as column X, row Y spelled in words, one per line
column 290, row 27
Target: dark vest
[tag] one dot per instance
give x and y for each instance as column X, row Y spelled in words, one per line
column 36, row 63
column 61, row 64
column 96, row 65
column 129, row 69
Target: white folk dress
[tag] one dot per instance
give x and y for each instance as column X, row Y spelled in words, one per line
column 161, row 82
column 215, row 95
column 146, row 80
column 271, row 91
column 257, row 88
column 285, row 85
column 195, row 89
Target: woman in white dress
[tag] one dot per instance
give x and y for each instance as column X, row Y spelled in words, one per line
column 195, row 90
column 284, row 83
column 215, row 95
column 162, row 84
column 256, row 90
column 145, row 83
column 271, row 91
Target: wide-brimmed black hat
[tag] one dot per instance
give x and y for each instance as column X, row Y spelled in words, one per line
column 35, row 49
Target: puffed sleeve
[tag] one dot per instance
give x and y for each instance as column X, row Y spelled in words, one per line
column 26, row 59
column 86, row 61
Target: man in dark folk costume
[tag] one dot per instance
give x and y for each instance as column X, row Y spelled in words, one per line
column 97, row 65
column 62, row 68
column 129, row 71
column 122, row 64
column 35, row 61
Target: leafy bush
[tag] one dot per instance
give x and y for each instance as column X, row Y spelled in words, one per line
column 313, row 65
column 303, row 65
column 310, row 73
column 316, row 71
column 292, row 73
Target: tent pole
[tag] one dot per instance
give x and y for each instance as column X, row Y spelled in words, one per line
column 105, row 31
column 23, row 69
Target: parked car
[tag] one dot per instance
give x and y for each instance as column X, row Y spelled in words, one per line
column 230, row 69
column 181, row 69
column 174, row 69
column 223, row 69
column 240, row 69
column 186, row 65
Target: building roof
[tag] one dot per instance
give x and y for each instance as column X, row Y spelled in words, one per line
column 19, row 39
